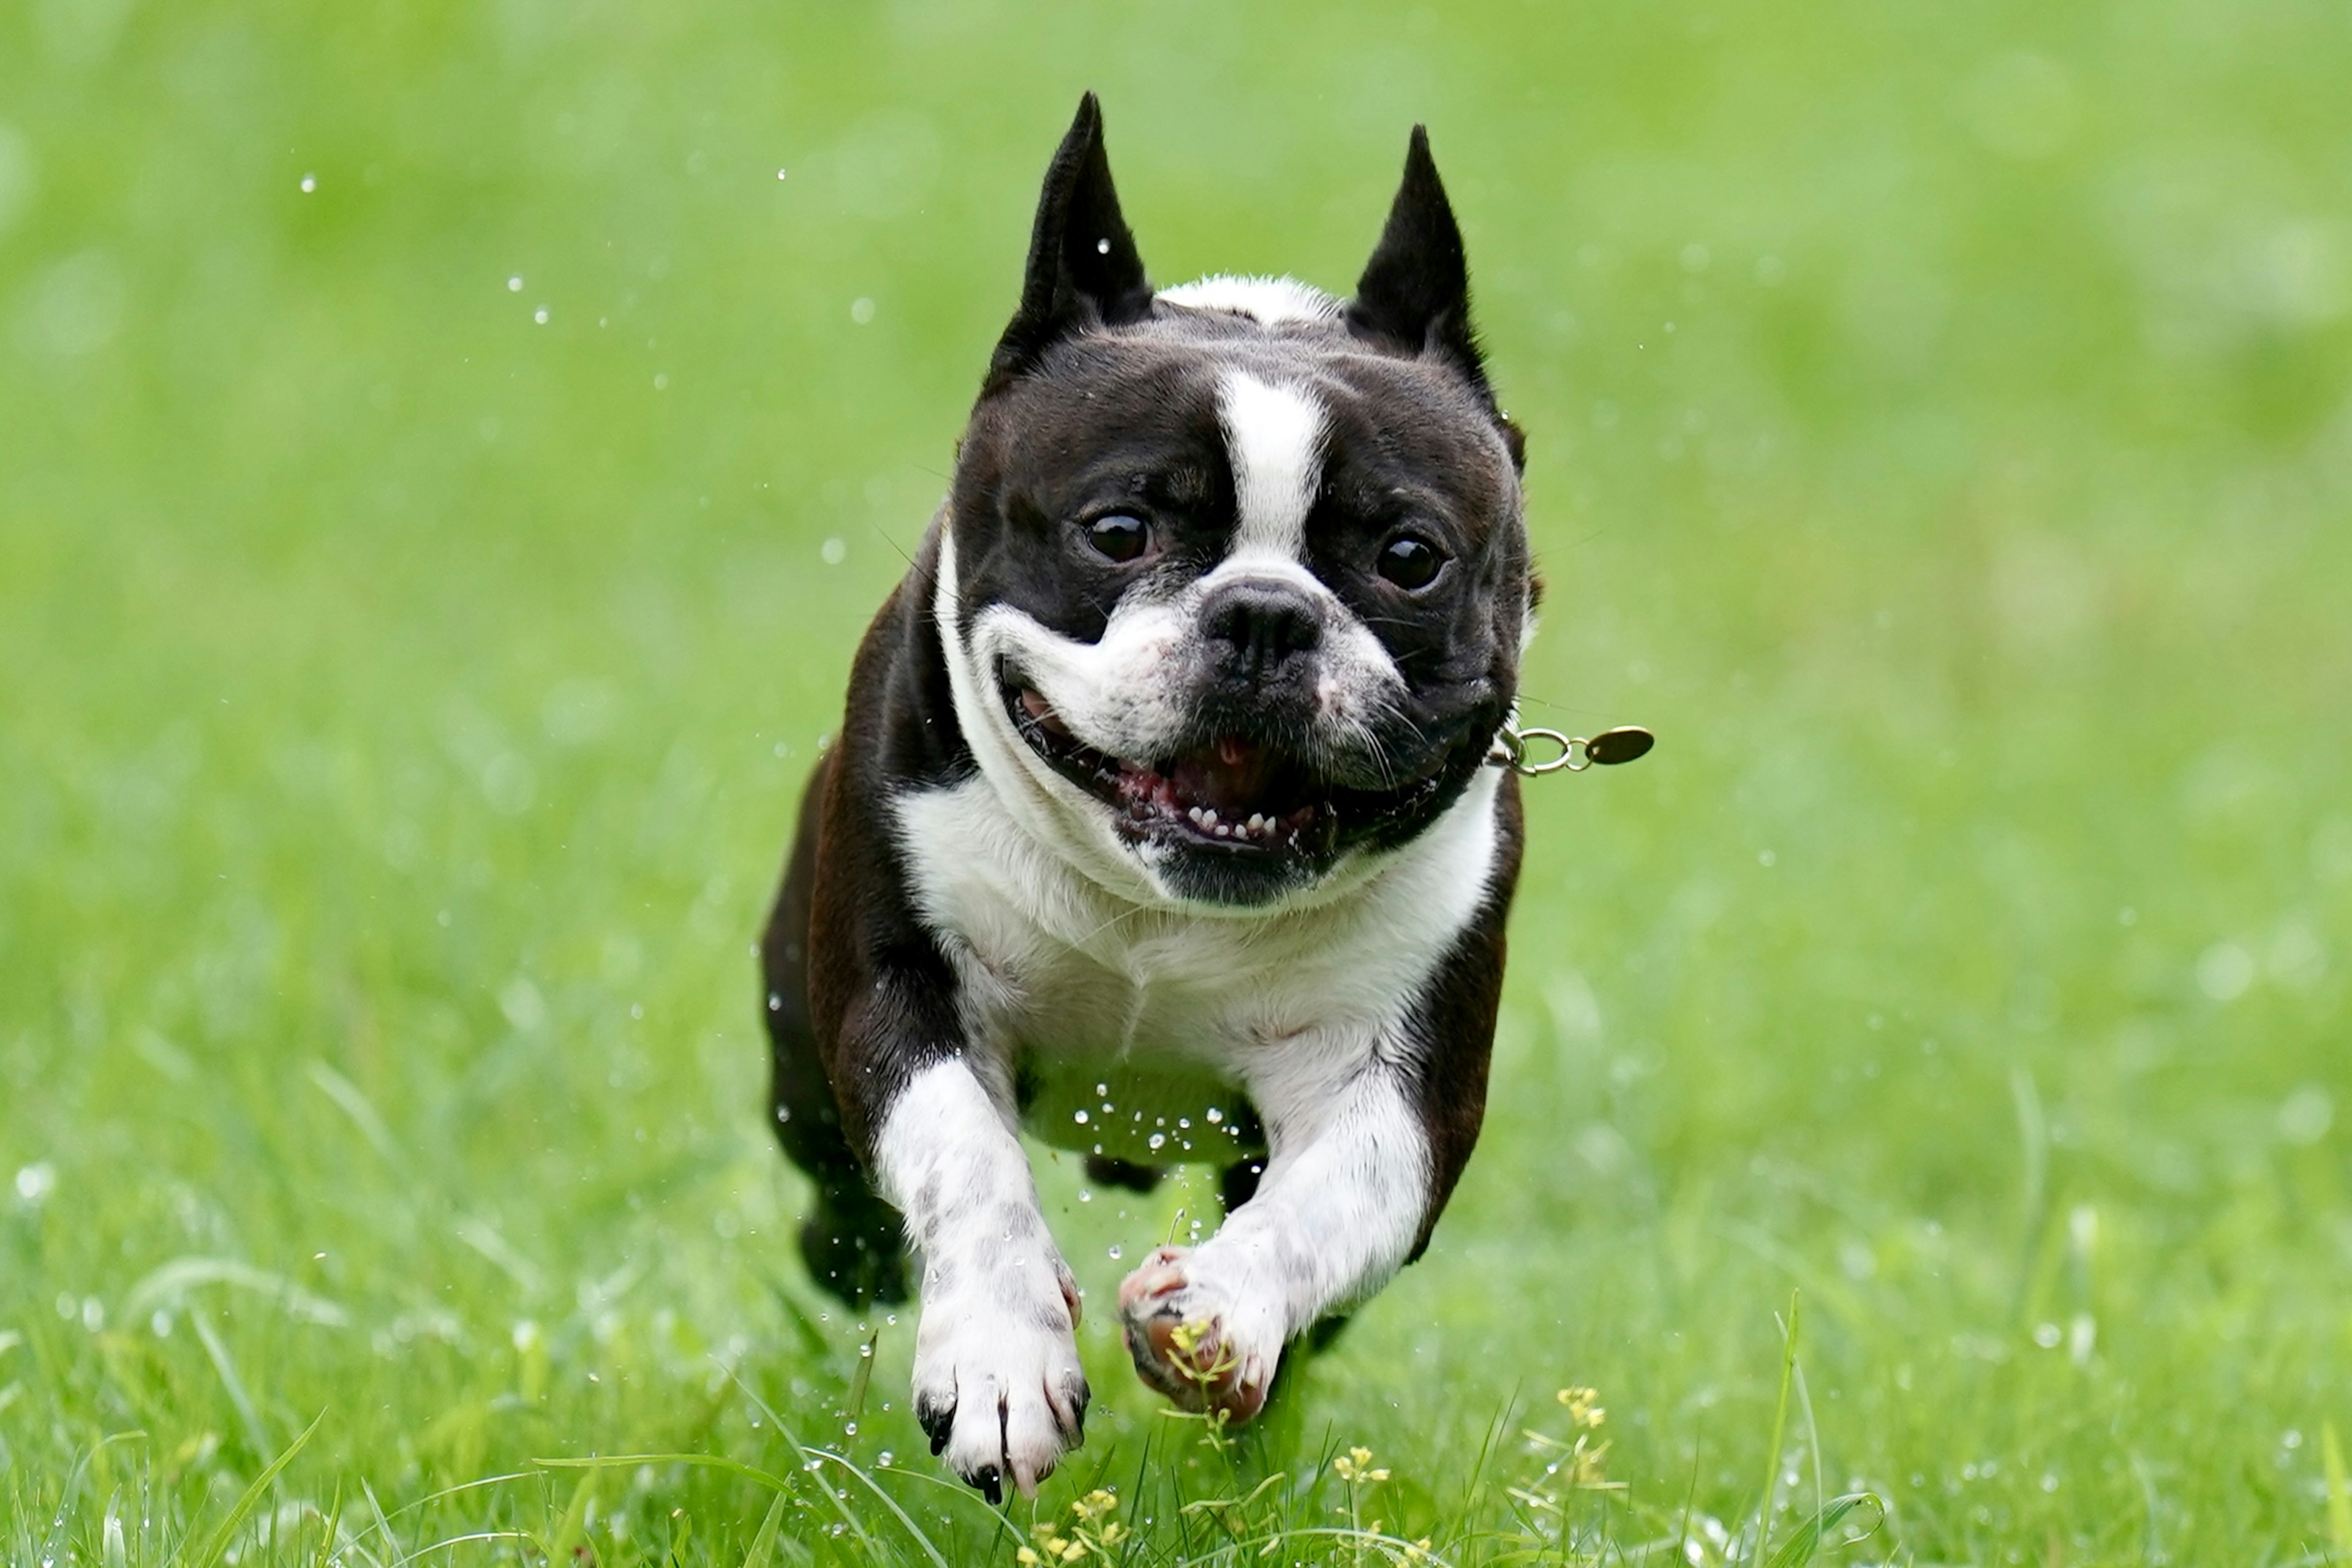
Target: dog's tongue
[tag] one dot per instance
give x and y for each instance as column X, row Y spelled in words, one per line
column 1230, row 776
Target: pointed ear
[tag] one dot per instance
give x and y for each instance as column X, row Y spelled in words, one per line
column 1083, row 267
column 1414, row 295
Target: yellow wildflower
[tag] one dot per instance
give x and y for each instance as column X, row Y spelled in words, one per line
column 1582, row 1408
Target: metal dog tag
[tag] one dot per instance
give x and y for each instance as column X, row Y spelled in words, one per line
column 1513, row 750
column 1625, row 743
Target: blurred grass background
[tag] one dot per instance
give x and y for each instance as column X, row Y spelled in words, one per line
column 448, row 454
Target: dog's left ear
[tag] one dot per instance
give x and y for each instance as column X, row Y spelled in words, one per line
column 1414, row 295
column 1083, row 266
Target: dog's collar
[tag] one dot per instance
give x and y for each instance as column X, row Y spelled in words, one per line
column 1513, row 746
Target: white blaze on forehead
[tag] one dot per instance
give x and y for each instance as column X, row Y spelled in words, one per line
column 1269, row 301
column 1274, row 437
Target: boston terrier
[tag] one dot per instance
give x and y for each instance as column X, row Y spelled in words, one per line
column 1162, row 825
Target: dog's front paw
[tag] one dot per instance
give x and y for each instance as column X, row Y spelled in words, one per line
column 1190, row 1342
column 998, row 1385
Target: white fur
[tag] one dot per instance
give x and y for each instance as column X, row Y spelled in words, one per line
column 1274, row 439
column 996, row 1344
column 1269, row 301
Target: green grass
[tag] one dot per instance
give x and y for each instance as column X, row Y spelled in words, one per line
column 1941, row 433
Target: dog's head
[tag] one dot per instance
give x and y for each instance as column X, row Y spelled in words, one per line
column 1236, row 576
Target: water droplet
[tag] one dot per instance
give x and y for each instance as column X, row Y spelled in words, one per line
column 661, row 384
column 833, row 552
column 1102, row 248
column 539, row 315
column 514, row 284
column 861, row 309
column 781, row 172
column 309, row 184
column 1115, row 1250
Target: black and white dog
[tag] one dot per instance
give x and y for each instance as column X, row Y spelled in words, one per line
column 1160, row 823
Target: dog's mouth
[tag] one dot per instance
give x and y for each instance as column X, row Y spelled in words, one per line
column 1230, row 792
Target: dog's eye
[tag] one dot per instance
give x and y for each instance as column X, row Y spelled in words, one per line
column 1410, row 562
column 1118, row 537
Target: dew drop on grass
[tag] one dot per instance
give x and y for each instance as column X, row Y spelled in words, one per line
column 1115, row 1251
column 539, row 315
column 309, row 184
column 514, row 284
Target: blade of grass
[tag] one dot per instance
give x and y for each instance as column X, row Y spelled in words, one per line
column 231, row 1383
column 2340, row 1493
column 764, row 1543
column 218, row 1541
column 709, row 1462
column 1780, row 1430
column 1800, row 1548
column 864, row 1375
column 331, row 1527
column 571, row 1529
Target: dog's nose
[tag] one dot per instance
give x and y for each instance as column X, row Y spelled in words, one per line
column 1259, row 625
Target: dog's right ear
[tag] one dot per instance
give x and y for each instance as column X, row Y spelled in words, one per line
column 1083, row 267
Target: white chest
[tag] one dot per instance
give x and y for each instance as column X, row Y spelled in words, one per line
column 1069, row 986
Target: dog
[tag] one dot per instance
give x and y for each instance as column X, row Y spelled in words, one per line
column 1162, row 822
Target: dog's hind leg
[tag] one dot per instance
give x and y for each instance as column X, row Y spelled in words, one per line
column 854, row 1243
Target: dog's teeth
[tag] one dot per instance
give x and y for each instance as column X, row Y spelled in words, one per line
column 1194, row 814
column 1222, row 831
column 1208, row 818
column 1256, row 820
